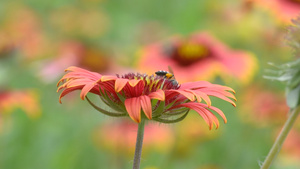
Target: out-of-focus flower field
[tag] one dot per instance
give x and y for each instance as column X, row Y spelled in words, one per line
column 225, row 42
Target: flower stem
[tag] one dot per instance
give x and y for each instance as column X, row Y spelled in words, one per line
column 281, row 137
column 139, row 145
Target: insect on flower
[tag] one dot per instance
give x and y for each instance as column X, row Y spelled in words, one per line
column 168, row 75
column 140, row 96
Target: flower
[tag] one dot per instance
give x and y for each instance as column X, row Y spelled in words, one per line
column 159, row 99
column 202, row 56
column 74, row 53
column 267, row 109
column 24, row 99
column 21, row 31
column 285, row 10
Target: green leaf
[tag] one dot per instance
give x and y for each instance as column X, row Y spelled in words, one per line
column 104, row 111
column 295, row 81
column 105, row 98
column 159, row 110
column 172, row 121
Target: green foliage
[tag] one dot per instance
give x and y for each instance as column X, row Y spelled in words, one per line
column 290, row 72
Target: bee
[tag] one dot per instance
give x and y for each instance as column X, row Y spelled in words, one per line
column 168, row 75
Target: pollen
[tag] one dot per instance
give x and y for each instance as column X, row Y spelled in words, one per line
column 169, row 75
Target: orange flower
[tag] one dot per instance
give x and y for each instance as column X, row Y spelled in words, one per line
column 199, row 56
column 160, row 99
column 26, row 100
column 21, row 31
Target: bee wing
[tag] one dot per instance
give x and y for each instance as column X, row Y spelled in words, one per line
column 170, row 70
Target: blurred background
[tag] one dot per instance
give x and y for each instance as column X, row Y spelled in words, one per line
column 227, row 42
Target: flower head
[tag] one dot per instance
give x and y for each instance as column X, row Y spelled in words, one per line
column 200, row 54
column 155, row 97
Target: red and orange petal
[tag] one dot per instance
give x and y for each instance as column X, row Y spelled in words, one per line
column 159, row 95
column 134, row 106
column 224, row 62
column 205, row 113
column 204, row 89
column 284, row 10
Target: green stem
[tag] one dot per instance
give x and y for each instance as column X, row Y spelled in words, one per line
column 281, row 137
column 139, row 145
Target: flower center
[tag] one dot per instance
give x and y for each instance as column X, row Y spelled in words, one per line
column 151, row 83
column 189, row 52
column 296, row 1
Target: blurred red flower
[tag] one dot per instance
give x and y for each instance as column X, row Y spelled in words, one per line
column 75, row 53
column 268, row 107
column 284, row 10
column 159, row 98
column 199, row 56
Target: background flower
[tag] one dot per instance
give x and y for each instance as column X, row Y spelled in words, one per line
column 27, row 100
column 202, row 56
column 268, row 107
column 284, row 10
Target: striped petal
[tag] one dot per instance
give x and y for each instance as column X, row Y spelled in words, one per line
column 133, row 107
column 75, row 69
column 146, row 106
column 159, row 95
column 68, row 90
column 108, row 78
column 134, row 82
column 201, row 95
column 87, row 88
column 205, row 113
column 194, row 85
column 119, row 84
column 185, row 93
